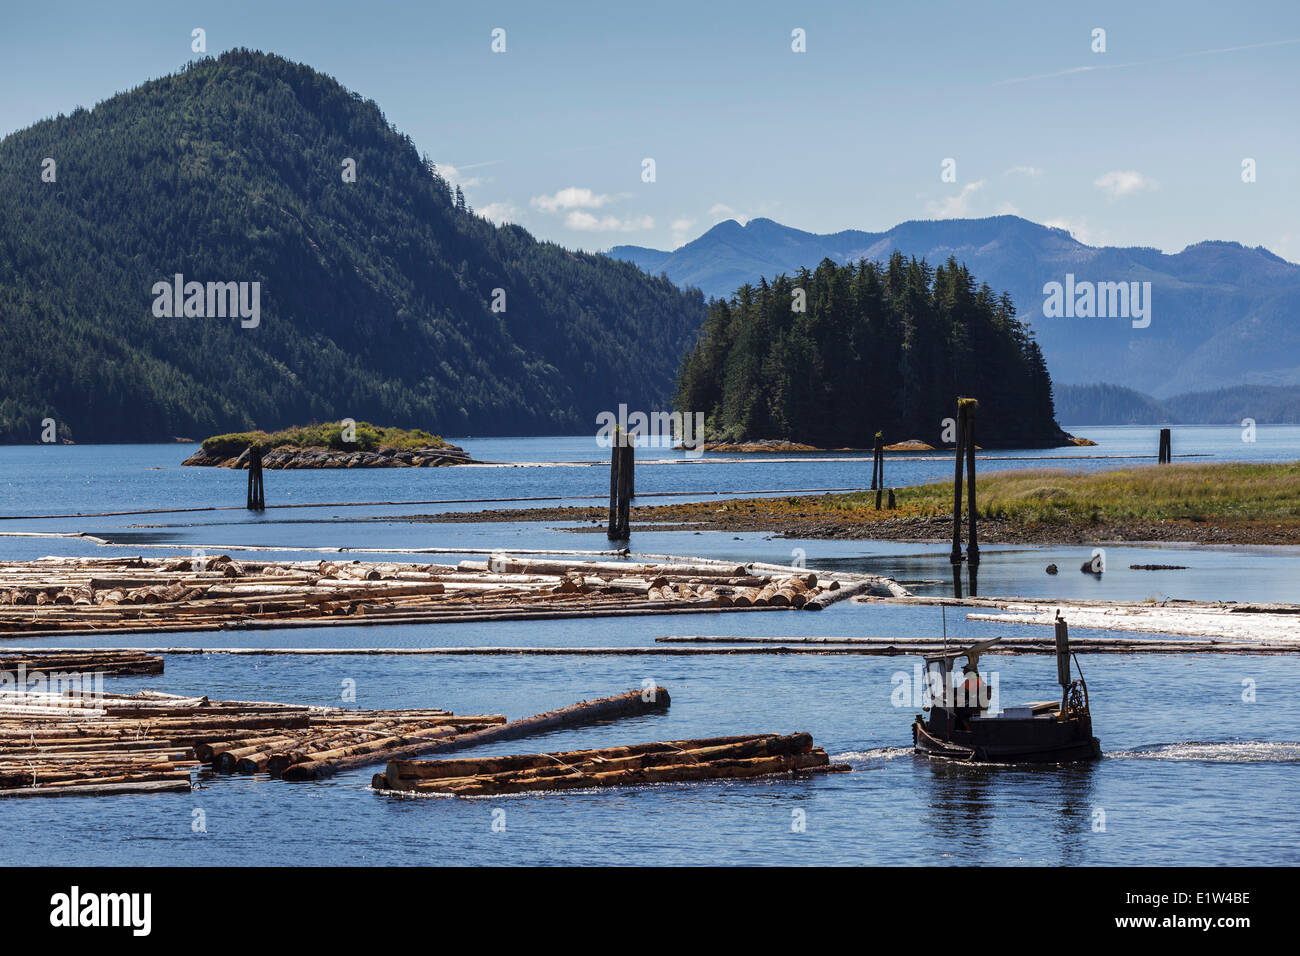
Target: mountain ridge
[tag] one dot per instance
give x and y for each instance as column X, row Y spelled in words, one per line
column 377, row 296
column 1223, row 313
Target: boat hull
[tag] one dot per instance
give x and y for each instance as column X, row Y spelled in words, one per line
column 1042, row 742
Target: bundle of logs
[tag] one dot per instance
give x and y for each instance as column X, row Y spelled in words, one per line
column 107, row 662
column 140, row 595
column 673, row 761
column 55, row 744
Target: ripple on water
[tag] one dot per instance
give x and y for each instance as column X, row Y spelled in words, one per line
column 1218, row 752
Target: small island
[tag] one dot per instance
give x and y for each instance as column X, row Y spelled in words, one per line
column 331, row 445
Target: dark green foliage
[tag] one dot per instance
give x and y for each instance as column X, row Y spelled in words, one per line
column 375, row 297
column 1115, row 405
column 1105, row 404
column 365, row 437
column 879, row 348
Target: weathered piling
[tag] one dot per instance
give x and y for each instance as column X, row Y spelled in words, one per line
column 878, row 470
column 876, row 480
column 627, row 475
column 967, row 408
column 1166, row 455
column 622, row 483
column 955, row 556
column 256, row 493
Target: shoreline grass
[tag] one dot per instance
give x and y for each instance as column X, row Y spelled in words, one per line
column 1232, row 492
column 367, row 437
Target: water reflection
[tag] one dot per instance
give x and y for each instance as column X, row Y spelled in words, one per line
column 980, row 808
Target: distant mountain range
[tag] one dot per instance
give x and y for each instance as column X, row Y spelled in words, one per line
column 376, row 296
column 1116, row 405
column 1221, row 314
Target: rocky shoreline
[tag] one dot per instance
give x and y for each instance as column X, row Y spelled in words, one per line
column 319, row 456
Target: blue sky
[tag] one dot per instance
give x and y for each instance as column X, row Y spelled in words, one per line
column 1139, row 145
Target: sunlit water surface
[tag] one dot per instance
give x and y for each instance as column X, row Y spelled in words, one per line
column 1196, row 772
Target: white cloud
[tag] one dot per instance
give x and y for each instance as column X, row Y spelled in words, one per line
column 721, row 212
column 1078, row 228
column 1140, row 63
column 574, row 197
column 586, row 222
column 955, row 207
column 1033, row 172
column 1008, row 209
column 499, row 212
column 1123, row 182
column 681, row 231
column 457, row 177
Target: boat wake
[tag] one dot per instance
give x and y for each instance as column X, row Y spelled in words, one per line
column 1234, row 752
column 874, row 755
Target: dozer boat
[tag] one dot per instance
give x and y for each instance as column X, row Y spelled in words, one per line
column 957, row 724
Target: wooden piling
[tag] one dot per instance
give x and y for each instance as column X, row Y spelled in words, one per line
column 967, row 408
column 627, row 480
column 613, row 490
column 878, row 471
column 876, row 478
column 955, row 557
column 1166, row 455
column 622, row 487
column 256, row 493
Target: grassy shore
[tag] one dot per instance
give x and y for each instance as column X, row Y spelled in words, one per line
column 1229, row 503
column 367, row 437
column 1228, row 493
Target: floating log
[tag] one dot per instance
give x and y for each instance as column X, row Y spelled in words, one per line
column 631, row 704
column 670, row 761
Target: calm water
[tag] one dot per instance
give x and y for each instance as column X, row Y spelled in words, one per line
column 1193, row 774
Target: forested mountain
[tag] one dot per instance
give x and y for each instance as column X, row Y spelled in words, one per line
column 1105, row 404
column 886, row 348
column 1221, row 314
column 375, row 295
column 1115, row 405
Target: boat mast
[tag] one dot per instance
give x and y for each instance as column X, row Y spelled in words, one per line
column 1063, row 660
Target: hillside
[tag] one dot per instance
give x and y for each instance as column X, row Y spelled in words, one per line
column 374, row 298
column 885, row 349
column 1114, row 405
column 1222, row 314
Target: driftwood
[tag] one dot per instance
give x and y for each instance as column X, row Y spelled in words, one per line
column 671, row 761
